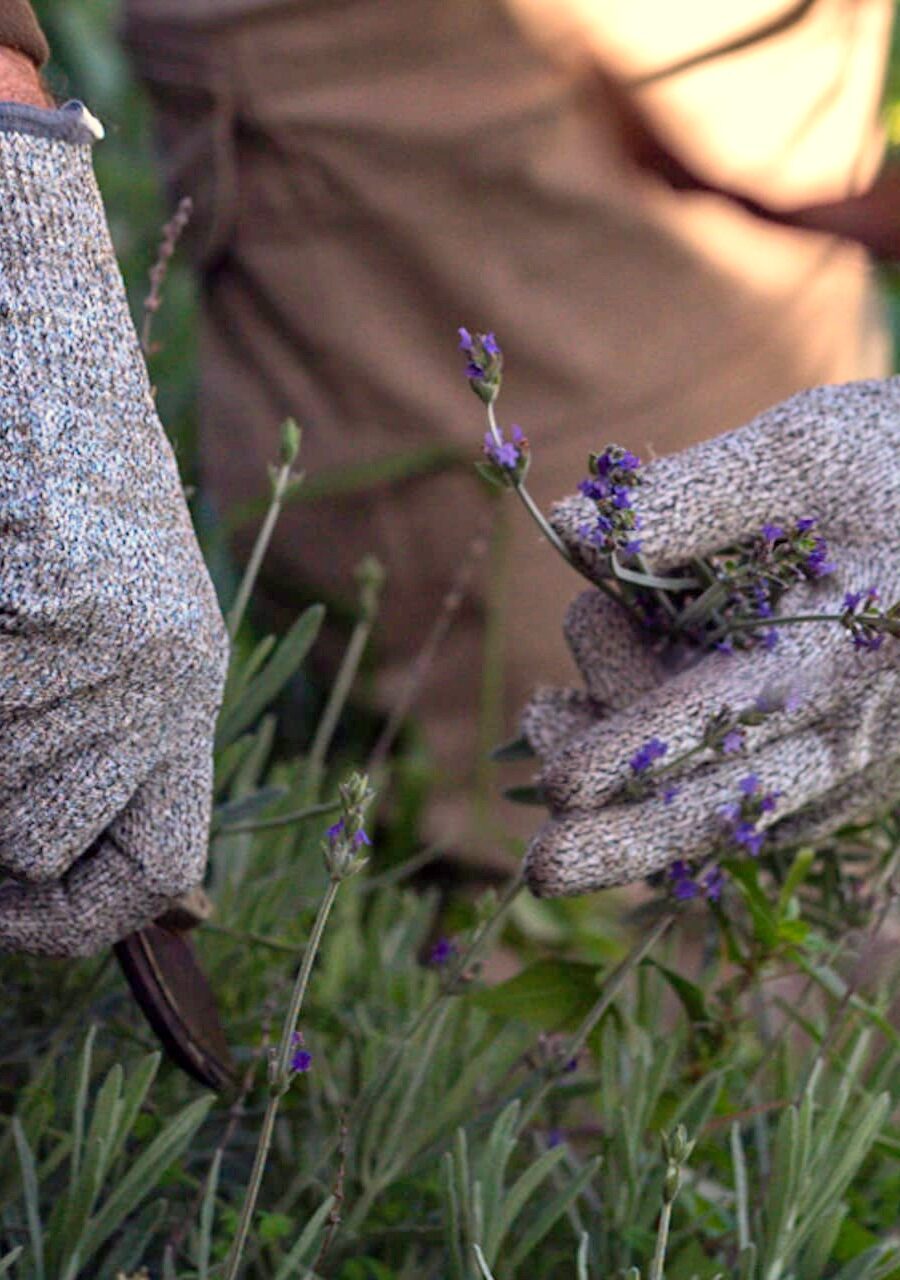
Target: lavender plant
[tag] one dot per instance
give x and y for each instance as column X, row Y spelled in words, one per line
column 434, row 1122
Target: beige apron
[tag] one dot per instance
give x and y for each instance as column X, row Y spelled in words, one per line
column 369, row 176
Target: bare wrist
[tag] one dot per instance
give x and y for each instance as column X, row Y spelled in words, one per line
column 20, row 80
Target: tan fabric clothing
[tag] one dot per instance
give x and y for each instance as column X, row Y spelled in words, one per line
column 370, row 176
column 19, row 29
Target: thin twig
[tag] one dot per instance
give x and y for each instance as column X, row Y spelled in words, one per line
column 337, row 1192
column 171, row 234
column 235, row 1115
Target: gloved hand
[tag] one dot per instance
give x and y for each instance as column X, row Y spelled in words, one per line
column 112, row 647
column 833, row 752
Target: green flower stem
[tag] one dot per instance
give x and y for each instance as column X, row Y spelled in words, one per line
column 662, row 1240
column 750, row 624
column 549, row 532
column 282, row 483
column 608, row 992
column 283, row 820
column 279, row 1081
column 530, row 505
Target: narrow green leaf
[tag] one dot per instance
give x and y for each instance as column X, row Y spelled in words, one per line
column 207, row 1217
column 69, row 1220
column 527, row 793
column 652, row 580
column 550, row 994
column 704, row 606
column 32, row 1201
column 525, row 1186
column 514, row 749
column 84, row 1079
column 581, row 1261
column 143, row 1175
column 493, row 1165
column 168, row 1270
column 245, row 807
column 452, row 1233
column 781, row 1206
column 241, row 673
column 747, row 1263
column 265, row 687
column 8, row 1259
column 133, row 1097
column 799, row 870
column 550, row 1213
column 741, row 1198
column 304, row 1250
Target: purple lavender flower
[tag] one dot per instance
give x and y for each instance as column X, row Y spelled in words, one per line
column 770, row 639
column 871, row 640
column 733, row 742
column 749, row 785
column 746, row 834
column 442, row 952
column 555, row 1138
column 804, row 525
column 490, row 344
column 670, row 793
column 852, row 600
column 508, row 459
column 484, row 363
column 643, row 758
column 817, row 562
column 613, row 476
column 301, row 1059
column 684, row 886
column 714, row 883
column 772, row 532
column 336, row 832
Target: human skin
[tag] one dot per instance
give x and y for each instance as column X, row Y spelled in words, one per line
column 20, row 81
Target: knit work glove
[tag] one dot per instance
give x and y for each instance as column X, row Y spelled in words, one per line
column 832, row 752
column 112, row 647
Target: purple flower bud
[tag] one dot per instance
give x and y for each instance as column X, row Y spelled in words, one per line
column 670, row 793
column 442, row 952
column 490, row 344
column 868, row 640
column 301, row 1059
column 465, row 340
column 713, row 883
column 733, row 741
column 772, row 532
column 749, row 785
column 643, row 758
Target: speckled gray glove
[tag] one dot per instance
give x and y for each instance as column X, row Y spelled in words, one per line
column 833, row 752
column 112, row 647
